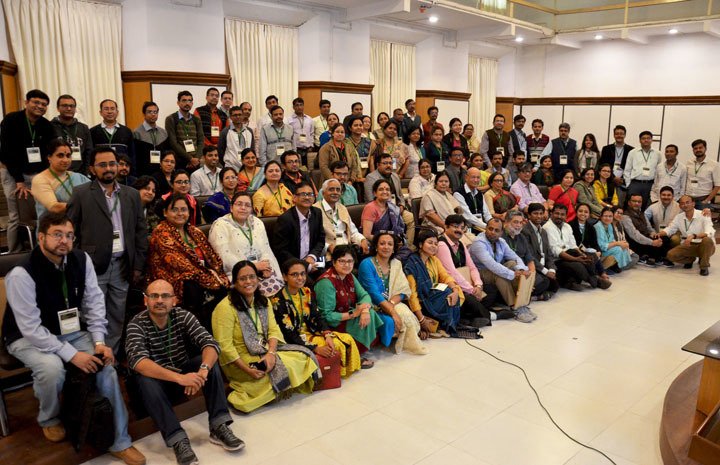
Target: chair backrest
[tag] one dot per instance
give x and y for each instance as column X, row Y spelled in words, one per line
column 7, row 262
column 316, row 176
column 355, row 212
column 416, row 210
column 205, row 228
column 269, row 223
column 26, row 211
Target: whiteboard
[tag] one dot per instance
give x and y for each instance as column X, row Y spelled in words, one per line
column 592, row 119
column 165, row 95
column 638, row 118
column 685, row 123
column 551, row 115
column 449, row 109
column 341, row 103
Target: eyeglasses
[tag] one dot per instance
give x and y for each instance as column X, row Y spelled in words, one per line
column 181, row 181
column 156, row 296
column 248, row 277
column 297, row 274
column 106, row 164
column 230, row 178
column 151, row 112
column 243, row 204
column 307, row 195
column 179, row 210
column 58, row 236
column 345, row 261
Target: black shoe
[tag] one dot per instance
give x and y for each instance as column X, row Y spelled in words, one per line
column 479, row 322
column 650, row 262
column 593, row 281
column 643, row 259
column 704, row 272
column 184, row 453
column 577, row 287
column 223, row 436
column 667, row 263
column 687, row 266
column 504, row 314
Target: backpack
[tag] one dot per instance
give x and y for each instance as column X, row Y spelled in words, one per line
column 86, row 414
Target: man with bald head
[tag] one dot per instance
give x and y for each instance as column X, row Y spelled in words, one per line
column 697, row 236
column 157, row 351
column 470, row 198
column 339, row 227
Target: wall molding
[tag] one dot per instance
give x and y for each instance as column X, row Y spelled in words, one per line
column 173, row 77
column 7, row 68
column 443, row 94
column 650, row 100
column 329, row 86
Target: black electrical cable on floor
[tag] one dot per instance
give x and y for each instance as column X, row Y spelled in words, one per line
column 537, row 396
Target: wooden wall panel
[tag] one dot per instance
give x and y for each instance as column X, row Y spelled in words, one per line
column 311, row 92
column 134, row 95
column 10, row 88
column 312, row 97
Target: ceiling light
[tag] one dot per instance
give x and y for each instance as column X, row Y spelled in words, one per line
column 433, row 19
column 519, row 39
column 673, row 31
column 598, row 37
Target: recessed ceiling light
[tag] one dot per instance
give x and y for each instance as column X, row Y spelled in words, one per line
column 673, row 31
column 598, row 37
column 433, row 19
column 519, row 39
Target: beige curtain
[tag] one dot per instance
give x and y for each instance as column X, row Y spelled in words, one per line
column 263, row 60
column 402, row 76
column 482, row 80
column 380, row 77
column 68, row 47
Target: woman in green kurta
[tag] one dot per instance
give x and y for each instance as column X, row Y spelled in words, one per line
column 344, row 304
column 253, row 355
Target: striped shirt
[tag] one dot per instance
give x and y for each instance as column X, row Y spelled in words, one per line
column 166, row 347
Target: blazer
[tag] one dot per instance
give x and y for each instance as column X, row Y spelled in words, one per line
column 89, row 212
column 285, row 240
column 535, row 248
column 607, row 155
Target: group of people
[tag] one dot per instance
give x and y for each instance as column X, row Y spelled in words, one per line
column 475, row 241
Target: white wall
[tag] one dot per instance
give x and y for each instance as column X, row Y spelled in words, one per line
column 440, row 67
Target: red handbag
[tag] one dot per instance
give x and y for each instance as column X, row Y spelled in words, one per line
column 330, row 368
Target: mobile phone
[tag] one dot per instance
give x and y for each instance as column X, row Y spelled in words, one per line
column 259, row 365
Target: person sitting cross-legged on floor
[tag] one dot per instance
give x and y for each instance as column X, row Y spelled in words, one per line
column 518, row 242
column 540, row 247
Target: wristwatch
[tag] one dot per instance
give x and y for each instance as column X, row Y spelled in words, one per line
column 204, row 367
column 99, row 343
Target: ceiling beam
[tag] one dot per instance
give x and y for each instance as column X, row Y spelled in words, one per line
column 484, row 32
column 711, row 28
column 562, row 41
column 631, row 35
column 378, row 8
column 593, row 9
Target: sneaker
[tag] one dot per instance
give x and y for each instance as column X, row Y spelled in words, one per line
column 593, row 280
column 223, row 436
column 54, row 433
column 643, row 259
column 130, row 456
column 651, row 262
column 184, row 454
column 532, row 314
column 704, row 272
column 604, row 283
column 687, row 266
column 667, row 263
column 573, row 286
column 523, row 315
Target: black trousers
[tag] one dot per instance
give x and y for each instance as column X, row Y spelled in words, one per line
column 542, row 284
column 157, row 397
column 473, row 308
column 657, row 253
column 574, row 272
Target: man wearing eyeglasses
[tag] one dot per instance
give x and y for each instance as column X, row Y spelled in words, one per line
column 238, row 136
column 56, row 315
column 292, row 175
column 72, row 131
column 150, row 140
column 339, row 227
column 110, row 227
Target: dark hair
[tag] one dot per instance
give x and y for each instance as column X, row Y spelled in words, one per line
column 209, row 148
column 184, row 93
column 297, row 100
column 166, row 153
column 584, row 172
column 377, row 118
column 391, row 122
column 376, row 240
column 408, row 101
column 37, row 93
column 172, row 199
column 453, row 121
column 410, row 130
column 498, row 115
column 289, row 263
column 527, row 166
column 594, row 146
column 535, row 206
column 667, row 188
column 537, row 120
column 543, row 158
column 324, row 102
column 125, row 158
column 645, row 133
column 246, row 151
column 432, row 108
column 234, row 108
column 55, row 143
column 143, row 181
column 424, row 161
column 275, row 107
column 227, row 92
column 242, row 104
column 563, row 173
column 494, row 175
column 101, row 149
column 698, row 142
column 620, row 126
column 676, row 147
column 108, row 100
column 237, row 195
column 518, row 153
column 302, row 184
column 342, row 250
column 615, row 208
column 271, row 162
column 352, row 119
column 454, row 219
column 441, row 174
column 177, row 173
column 238, row 300
column 582, row 204
column 221, row 175
column 338, row 164
column 149, row 104
column 518, row 118
column 271, row 97
column 210, row 89
column 352, row 107
column 606, row 209
column 559, row 206
column 49, row 218
column 423, row 235
column 382, row 157
column 474, row 156
column 285, row 154
column 64, row 97
column 333, row 114
column 378, row 183
column 468, row 125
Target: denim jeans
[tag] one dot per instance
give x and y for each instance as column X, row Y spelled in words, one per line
column 49, row 375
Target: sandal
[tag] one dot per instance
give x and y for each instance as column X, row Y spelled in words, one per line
column 366, row 364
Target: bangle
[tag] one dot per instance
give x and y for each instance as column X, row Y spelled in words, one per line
column 422, row 319
column 274, row 354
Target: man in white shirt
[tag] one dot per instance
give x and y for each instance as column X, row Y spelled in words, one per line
column 270, row 102
column 206, row 180
column 303, row 129
column 640, row 168
column 235, row 138
column 339, row 227
column 660, row 214
column 703, row 176
column 497, row 167
column 697, row 235
column 671, row 173
column 320, row 123
column 573, row 265
column 470, row 198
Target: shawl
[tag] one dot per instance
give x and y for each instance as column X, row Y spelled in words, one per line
column 444, row 204
column 433, row 300
column 192, row 205
column 288, row 318
column 257, row 346
column 504, row 201
column 390, row 221
column 245, row 184
column 171, row 259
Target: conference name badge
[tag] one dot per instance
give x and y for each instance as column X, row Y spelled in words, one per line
column 440, row 166
column 302, row 138
column 76, row 153
column 33, row 155
column 364, row 164
column 189, row 145
column 155, row 156
column 279, row 149
column 646, row 170
column 214, row 131
column 440, row 287
column 563, row 159
column 69, row 321
column 117, row 245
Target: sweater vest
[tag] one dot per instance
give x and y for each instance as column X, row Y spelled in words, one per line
column 474, row 203
column 459, row 258
column 48, row 291
column 494, row 143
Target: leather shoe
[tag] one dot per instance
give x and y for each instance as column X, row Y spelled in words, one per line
column 131, row 456
column 54, row 433
column 704, row 272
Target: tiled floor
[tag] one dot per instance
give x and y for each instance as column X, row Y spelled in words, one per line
column 601, row 361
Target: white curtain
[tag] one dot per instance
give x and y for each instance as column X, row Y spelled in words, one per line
column 402, row 75
column 380, row 77
column 482, row 80
column 263, row 60
column 68, row 47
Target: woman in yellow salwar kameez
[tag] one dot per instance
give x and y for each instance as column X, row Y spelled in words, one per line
column 300, row 321
column 253, row 354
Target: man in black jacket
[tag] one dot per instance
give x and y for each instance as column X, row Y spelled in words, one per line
column 110, row 133
column 540, row 247
column 299, row 231
column 616, row 155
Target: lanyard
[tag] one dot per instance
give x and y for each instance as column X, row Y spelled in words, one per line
column 279, row 133
column 670, row 173
column 32, row 131
column 323, row 121
column 646, row 157
column 67, row 133
column 62, row 183
column 332, row 217
column 607, row 233
column 167, row 344
column 109, row 136
column 249, row 237
column 560, row 230
column 698, row 168
column 64, row 286
column 213, row 185
column 186, row 240
column 687, row 225
column 278, row 198
column 255, row 319
column 474, row 201
column 248, row 176
column 299, row 311
column 185, row 127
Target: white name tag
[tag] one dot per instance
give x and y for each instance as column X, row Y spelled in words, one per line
column 69, row 321
column 155, row 156
column 189, row 145
column 117, row 245
column 534, row 157
column 563, row 159
column 364, row 164
column 501, row 150
column 394, row 164
column 696, row 241
column 440, row 287
column 302, row 138
column 617, row 166
column 76, row 153
column 646, row 170
column 33, row 155
column 214, row 131
column 440, row 166
column 279, row 149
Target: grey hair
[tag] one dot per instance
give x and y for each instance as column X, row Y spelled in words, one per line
column 512, row 214
column 328, row 181
column 564, row 125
